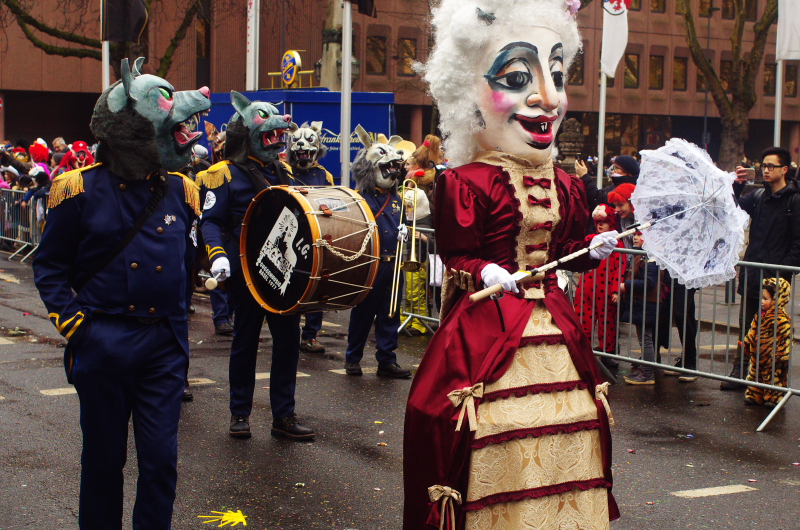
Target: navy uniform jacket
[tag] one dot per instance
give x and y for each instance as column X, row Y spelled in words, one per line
column 228, row 193
column 316, row 175
column 389, row 219
column 91, row 210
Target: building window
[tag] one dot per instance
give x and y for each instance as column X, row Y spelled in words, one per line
column 790, row 81
column 750, row 10
column 680, row 74
column 658, row 6
column 728, row 9
column 700, row 86
column 575, row 74
column 636, row 5
column 376, row 55
column 656, row 81
column 726, row 75
column 631, row 70
column 407, row 56
column 705, row 8
column 609, row 81
column 769, row 79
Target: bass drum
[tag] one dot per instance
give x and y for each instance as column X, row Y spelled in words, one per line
column 309, row 248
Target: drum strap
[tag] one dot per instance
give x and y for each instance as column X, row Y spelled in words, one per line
column 388, row 198
column 258, row 180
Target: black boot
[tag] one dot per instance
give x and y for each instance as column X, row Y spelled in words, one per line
column 240, row 427
column 736, row 373
column 393, row 371
column 288, row 427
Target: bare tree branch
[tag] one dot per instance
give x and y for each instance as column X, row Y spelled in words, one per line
column 169, row 55
column 25, row 17
column 56, row 50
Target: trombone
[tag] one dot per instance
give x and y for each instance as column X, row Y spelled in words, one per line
column 412, row 264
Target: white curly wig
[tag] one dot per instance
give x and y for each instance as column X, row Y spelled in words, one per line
column 462, row 29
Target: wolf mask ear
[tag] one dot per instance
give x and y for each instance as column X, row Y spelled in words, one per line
column 316, row 126
column 363, row 136
column 394, row 140
column 127, row 78
column 240, row 103
column 137, row 66
column 293, row 127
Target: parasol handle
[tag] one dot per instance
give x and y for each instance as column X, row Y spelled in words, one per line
column 485, row 293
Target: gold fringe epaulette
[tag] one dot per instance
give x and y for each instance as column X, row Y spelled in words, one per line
column 67, row 186
column 192, row 193
column 215, row 176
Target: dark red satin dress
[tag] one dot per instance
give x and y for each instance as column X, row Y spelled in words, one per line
column 501, row 210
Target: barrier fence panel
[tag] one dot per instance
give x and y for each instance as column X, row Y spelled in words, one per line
column 21, row 223
column 719, row 332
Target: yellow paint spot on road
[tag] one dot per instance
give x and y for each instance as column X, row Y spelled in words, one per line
column 367, row 370
column 225, row 518
column 711, row 492
column 330, row 324
column 4, row 340
column 265, row 375
column 59, row 391
column 8, row 278
column 200, row 381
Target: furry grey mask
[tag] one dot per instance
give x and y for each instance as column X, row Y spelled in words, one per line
column 378, row 165
column 305, row 145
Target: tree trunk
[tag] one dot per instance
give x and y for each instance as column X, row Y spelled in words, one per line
column 734, row 135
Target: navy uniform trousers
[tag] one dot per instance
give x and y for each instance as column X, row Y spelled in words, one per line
column 313, row 325
column 127, row 368
column 285, row 331
column 375, row 308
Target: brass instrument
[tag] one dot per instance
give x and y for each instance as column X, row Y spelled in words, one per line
column 412, row 264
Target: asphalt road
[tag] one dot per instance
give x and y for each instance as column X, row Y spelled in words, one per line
column 669, row 438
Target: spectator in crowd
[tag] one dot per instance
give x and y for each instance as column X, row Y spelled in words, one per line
column 620, row 199
column 10, row 176
column 59, row 150
column 769, row 342
column 684, row 319
column 416, row 282
column 625, row 170
column 41, row 189
column 77, row 157
column 428, row 159
column 774, row 236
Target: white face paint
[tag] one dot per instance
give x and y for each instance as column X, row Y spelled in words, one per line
column 521, row 94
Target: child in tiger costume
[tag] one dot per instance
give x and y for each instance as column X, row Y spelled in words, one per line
column 771, row 341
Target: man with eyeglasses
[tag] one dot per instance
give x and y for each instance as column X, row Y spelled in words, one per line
column 774, row 236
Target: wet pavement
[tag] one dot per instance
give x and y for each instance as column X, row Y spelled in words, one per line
column 669, row 438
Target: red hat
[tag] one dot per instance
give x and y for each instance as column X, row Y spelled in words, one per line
column 79, row 146
column 606, row 214
column 39, row 153
column 622, row 193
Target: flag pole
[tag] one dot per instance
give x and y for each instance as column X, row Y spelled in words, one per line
column 105, row 62
column 253, row 44
column 601, row 130
column 778, row 103
column 347, row 80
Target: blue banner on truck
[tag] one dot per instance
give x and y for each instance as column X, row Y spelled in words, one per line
column 373, row 110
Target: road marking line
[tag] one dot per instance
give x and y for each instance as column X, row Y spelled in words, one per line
column 265, row 375
column 200, row 381
column 368, row 370
column 59, row 391
column 330, row 324
column 710, row 492
column 1, row 398
column 4, row 340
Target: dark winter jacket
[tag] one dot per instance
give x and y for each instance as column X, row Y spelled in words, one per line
column 774, row 232
column 600, row 196
column 641, row 284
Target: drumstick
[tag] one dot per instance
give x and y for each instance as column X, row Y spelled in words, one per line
column 212, row 283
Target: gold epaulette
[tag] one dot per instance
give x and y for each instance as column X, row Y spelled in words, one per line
column 67, row 186
column 215, row 176
column 287, row 166
column 192, row 193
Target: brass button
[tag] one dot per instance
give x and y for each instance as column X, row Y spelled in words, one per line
column 131, row 308
column 134, row 266
column 160, row 229
column 159, row 268
column 123, row 187
column 152, row 310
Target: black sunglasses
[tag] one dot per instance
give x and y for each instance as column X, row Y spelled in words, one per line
column 770, row 167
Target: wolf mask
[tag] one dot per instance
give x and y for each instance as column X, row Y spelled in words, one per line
column 144, row 125
column 305, row 145
column 255, row 130
column 378, row 165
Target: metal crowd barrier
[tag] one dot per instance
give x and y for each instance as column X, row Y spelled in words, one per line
column 21, row 227
column 706, row 322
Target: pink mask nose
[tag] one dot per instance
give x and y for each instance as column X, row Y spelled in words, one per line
column 287, row 118
column 204, row 90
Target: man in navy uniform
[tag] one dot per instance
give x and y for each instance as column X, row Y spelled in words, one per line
column 254, row 139
column 118, row 236
column 375, row 171
column 302, row 161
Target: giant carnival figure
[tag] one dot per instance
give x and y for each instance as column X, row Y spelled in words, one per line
column 376, row 171
column 118, row 236
column 303, row 152
column 254, row 139
column 507, row 425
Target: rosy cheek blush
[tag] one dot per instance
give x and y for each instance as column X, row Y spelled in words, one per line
column 502, row 103
column 258, row 120
column 164, row 104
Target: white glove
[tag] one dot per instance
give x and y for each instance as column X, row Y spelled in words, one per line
column 609, row 241
column 402, row 232
column 222, row 267
column 492, row 274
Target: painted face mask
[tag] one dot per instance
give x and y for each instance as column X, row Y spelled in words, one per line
column 143, row 124
column 378, row 165
column 255, row 130
column 521, row 97
column 305, row 145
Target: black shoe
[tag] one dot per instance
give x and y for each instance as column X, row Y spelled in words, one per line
column 736, row 373
column 240, row 427
column 311, row 346
column 288, row 427
column 187, row 396
column 353, row 369
column 224, row 328
column 394, row 371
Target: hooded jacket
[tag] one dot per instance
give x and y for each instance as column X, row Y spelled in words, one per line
column 600, row 196
column 774, row 232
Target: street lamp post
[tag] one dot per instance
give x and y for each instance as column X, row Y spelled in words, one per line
column 706, row 139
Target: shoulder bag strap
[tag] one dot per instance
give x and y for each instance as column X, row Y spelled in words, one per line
column 258, row 180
